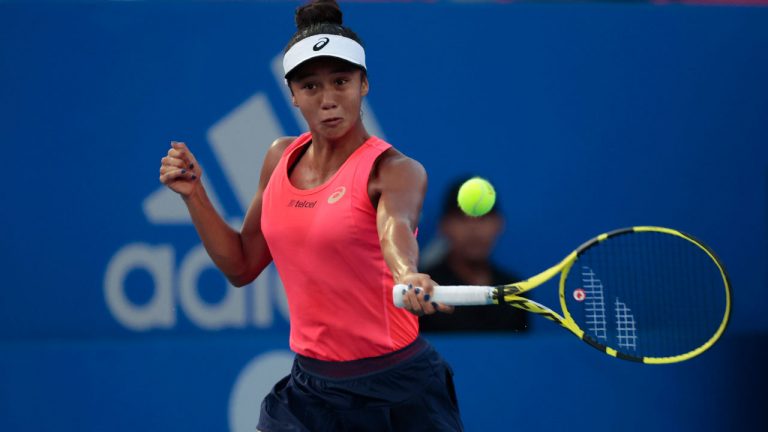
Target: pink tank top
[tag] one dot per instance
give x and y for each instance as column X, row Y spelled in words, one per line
column 325, row 245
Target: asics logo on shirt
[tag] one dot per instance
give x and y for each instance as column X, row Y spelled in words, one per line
column 337, row 194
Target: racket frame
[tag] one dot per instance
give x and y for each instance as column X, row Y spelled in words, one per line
column 511, row 295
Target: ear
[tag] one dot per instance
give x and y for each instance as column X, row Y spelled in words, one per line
column 293, row 96
column 364, row 84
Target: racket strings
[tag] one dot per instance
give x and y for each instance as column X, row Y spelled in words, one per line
column 662, row 294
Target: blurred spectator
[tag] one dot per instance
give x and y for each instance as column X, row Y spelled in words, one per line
column 466, row 261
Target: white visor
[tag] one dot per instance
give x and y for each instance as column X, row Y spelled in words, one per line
column 323, row 45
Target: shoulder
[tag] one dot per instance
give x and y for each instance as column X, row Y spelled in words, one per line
column 394, row 165
column 274, row 153
column 279, row 145
column 396, row 175
column 277, row 148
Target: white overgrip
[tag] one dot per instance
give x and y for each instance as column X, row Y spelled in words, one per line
column 455, row 295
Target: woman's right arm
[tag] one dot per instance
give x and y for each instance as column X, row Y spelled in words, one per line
column 241, row 256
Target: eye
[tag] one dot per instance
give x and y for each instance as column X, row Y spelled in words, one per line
column 308, row 86
column 341, row 81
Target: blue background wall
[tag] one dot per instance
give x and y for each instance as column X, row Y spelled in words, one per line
column 587, row 117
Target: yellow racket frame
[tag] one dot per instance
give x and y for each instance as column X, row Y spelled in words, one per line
column 512, row 291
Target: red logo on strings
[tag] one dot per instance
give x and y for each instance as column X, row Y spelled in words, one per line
column 579, row 294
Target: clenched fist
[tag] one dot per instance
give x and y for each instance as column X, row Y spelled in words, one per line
column 179, row 170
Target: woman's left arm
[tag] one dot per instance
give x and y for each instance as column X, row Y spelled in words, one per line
column 402, row 184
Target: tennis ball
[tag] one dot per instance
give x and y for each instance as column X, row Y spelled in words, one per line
column 476, row 197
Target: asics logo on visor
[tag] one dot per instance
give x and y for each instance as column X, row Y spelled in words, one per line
column 321, row 44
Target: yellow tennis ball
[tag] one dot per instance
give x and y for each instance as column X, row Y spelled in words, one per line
column 476, row 197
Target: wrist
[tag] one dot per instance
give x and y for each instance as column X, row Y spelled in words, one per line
column 196, row 196
column 408, row 275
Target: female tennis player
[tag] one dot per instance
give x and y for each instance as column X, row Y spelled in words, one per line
column 336, row 209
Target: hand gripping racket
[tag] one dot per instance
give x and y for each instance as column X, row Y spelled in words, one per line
column 645, row 294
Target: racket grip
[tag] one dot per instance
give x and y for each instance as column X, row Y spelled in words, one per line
column 455, row 295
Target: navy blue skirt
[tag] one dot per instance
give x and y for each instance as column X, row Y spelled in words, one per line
column 408, row 390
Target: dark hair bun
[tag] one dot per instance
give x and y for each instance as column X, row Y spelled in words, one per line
column 318, row 11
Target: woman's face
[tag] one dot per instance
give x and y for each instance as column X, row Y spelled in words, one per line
column 329, row 92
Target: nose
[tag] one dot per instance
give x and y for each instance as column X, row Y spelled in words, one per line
column 328, row 101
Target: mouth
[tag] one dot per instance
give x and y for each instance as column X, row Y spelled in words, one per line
column 332, row 122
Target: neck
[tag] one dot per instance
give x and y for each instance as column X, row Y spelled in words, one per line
column 329, row 153
column 470, row 271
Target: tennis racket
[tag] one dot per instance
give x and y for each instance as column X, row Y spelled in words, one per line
column 645, row 294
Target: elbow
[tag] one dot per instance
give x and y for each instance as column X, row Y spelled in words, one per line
column 246, row 271
column 238, row 283
column 240, row 280
column 247, row 275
